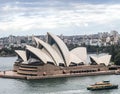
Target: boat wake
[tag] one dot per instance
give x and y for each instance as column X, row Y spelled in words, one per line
column 68, row 92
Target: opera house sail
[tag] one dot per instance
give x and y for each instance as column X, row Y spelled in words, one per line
column 105, row 59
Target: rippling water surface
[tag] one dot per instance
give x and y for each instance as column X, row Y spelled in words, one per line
column 72, row 85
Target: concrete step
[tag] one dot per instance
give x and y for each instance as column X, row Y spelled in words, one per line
column 28, row 66
column 28, row 69
column 27, row 72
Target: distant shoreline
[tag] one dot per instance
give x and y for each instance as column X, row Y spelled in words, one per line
column 7, row 55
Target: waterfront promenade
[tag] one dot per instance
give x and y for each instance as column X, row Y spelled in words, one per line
column 14, row 75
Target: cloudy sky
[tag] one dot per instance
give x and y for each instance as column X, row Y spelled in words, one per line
column 68, row 17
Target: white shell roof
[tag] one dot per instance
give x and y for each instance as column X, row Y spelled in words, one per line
column 42, row 56
column 55, row 56
column 57, row 52
column 75, row 59
column 22, row 54
column 105, row 59
column 102, row 59
column 80, row 52
column 95, row 59
column 62, row 47
column 36, row 40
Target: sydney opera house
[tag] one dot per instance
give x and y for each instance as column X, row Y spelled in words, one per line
column 54, row 58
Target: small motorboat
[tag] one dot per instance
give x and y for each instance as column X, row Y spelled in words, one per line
column 102, row 86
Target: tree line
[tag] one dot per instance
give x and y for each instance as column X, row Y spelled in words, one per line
column 9, row 51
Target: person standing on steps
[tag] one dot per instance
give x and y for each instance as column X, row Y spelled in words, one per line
column 4, row 72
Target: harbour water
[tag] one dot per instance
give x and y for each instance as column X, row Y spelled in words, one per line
column 72, row 85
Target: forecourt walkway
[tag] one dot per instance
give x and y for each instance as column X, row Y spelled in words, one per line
column 14, row 75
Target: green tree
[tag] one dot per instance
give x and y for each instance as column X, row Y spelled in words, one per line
column 113, row 50
column 117, row 59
